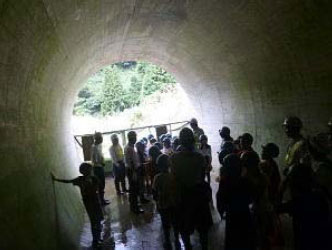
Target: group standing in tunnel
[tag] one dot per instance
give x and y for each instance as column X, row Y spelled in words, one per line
column 251, row 197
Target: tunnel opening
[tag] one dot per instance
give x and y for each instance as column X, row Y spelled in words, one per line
column 245, row 64
column 130, row 95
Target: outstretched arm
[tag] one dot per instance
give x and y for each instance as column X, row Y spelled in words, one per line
column 60, row 180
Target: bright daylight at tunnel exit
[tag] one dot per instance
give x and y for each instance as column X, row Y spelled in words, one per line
column 165, row 124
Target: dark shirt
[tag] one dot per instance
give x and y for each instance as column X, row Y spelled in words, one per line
column 88, row 186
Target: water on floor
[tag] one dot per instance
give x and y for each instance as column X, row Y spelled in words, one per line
column 125, row 230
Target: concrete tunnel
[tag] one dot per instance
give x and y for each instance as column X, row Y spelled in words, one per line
column 243, row 63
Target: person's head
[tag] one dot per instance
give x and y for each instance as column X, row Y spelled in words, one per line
column 115, row 139
column 292, row 126
column 85, row 168
column 150, row 137
column 193, row 123
column 167, row 142
column 319, row 146
column 203, row 139
column 98, row 137
column 162, row 163
column 140, row 146
column 132, row 137
column 145, row 140
column 162, row 137
column 175, row 143
column 154, row 152
column 246, row 141
column 270, row 151
column 250, row 161
column 159, row 145
column 187, row 138
column 225, row 132
column 232, row 165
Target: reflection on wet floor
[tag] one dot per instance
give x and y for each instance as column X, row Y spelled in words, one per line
column 125, row 230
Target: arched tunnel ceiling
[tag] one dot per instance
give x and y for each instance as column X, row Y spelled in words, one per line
column 244, row 63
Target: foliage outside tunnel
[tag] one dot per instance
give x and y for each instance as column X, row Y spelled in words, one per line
column 121, row 86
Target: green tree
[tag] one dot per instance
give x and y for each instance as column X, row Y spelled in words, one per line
column 121, row 86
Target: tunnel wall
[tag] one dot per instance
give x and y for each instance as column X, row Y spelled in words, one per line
column 245, row 64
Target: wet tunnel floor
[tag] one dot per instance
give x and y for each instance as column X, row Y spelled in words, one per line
column 125, row 230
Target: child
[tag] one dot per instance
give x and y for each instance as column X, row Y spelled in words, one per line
column 205, row 149
column 164, row 194
column 89, row 190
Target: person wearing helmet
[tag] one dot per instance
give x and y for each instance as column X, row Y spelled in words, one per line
column 197, row 131
column 296, row 156
column 167, row 147
column 119, row 171
column 205, row 149
column 132, row 165
column 98, row 165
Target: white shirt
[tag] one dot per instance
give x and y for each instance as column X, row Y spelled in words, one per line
column 131, row 157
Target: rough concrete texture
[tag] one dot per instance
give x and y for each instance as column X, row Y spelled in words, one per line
column 243, row 63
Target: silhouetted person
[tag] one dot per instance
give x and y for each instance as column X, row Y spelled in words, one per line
column 175, row 144
column 167, row 146
column 132, row 164
column 234, row 198
column 270, row 168
column 246, row 141
column 119, row 170
column 309, row 210
column 227, row 148
column 192, row 193
column 322, row 177
column 197, row 131
column 225, row 134
column 261, row 207
column 164, row 194
column 99, row 164
column 297, row 153
column 205, row 149
column 89, row 190
column 140, row 148
column 154, row 152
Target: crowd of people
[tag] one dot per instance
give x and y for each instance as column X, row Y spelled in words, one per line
column 253, row 191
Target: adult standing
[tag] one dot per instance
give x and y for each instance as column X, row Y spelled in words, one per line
column 297, row 152
column 119, row 170
column 192, row 193
column 196, row 130
column 225, row 134
column 132, row 164
column 98, row 165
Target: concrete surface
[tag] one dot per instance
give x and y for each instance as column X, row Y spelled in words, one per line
column 243, row 63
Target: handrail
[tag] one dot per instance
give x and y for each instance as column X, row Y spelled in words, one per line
column 137, row 128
